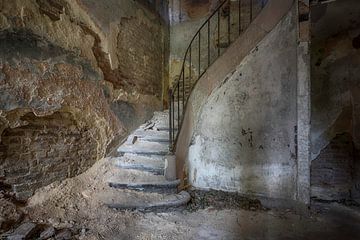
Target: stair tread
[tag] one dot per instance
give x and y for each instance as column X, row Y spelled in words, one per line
column 134, row 175
column 146, row 202
column 158, row 187
column 150, row 164
column 159, row 184
column 138, row 147
column 152, row 135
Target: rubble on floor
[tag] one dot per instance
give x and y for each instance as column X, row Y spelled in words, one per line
column 201, row 199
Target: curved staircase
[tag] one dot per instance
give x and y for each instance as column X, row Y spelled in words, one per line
column 151, row 184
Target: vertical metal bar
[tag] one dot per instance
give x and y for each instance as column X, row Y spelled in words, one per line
column 239, row 17
column 251, row 10
column 173, row 118
column 183, row 73
column 178, row 122
column 218, row 32
column 170, row 119
column 190, row 67
column 229, row 5
column 199, row 52
column 209, row 43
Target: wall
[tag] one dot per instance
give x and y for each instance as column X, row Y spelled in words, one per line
column 244, row 137
column 233, row 147
column 47, row 149
column 70, row 90
column 335, row 99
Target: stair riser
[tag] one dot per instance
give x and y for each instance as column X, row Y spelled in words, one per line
column 155, row 171
column 149, row 209
column 172, row 205
column 153, row 189
column 141, row 153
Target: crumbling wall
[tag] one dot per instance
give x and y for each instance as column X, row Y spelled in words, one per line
column 45, row 150
column 66, row 73
column 335, row 93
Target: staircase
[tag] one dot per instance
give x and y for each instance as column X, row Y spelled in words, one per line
column 151, row 184
column 147, row 181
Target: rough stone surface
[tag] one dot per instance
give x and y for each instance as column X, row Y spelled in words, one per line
column 45, row 150
column 245, row 132
column 24, row 231
column 69, row 88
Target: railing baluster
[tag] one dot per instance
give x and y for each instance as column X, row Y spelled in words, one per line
column 170, row 119
column 229, row 13
column 239, row 17
column 251, row 10
column 218, row 32
column 173, row 117
column 199, row 52
column 190, row 49
column 178, row 103
column 208, row 43
column 183, row 73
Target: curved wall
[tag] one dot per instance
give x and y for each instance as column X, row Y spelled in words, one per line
column 239, row 128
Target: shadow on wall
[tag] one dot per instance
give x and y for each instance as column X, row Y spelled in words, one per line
column 335, row 93
column 334, row 173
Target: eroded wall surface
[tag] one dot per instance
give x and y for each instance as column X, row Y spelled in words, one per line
column 244, row 137
column 69, row 86
column 335, row 92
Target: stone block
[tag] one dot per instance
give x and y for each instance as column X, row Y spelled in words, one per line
column 24, row 231
column 170, row 167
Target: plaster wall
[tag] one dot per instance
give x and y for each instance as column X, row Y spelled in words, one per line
column 244, row 133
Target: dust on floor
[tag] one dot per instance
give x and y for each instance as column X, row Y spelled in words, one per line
column 77, row 204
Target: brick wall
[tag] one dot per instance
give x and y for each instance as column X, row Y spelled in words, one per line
column 141, row 55
column 332, row 172
column 45, row 150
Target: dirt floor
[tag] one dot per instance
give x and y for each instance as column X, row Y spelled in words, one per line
column 76, row 205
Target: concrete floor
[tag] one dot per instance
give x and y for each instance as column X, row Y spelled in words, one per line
column 228, row 224
column 75, row 204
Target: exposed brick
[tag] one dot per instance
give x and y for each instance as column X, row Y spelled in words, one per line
column 143, row 44
column 44, row 156
column 332, row 171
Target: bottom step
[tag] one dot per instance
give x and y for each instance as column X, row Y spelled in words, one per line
column 168, row 202
column 159, row 187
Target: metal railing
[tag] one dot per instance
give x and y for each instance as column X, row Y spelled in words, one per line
column 221, row 28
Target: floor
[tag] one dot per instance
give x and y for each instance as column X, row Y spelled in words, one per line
column 76, row 204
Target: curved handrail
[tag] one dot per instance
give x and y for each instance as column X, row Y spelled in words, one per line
column 174, row 93
column 196, row 34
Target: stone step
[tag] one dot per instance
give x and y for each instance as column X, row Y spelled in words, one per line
column 152, row 135
column 153, row 164
column 133, row 175
column 158, row 187
column 146, row 202
column 144, row 148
